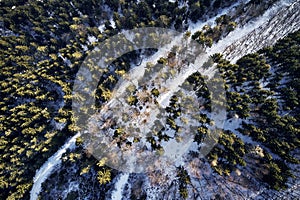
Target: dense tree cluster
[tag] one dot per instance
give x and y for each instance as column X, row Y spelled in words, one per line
column 208, row 34
column 262, row 89
column 43, row 44
column 228, row 154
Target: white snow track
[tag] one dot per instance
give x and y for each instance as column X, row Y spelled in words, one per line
column 277, row 22
column 45, row 171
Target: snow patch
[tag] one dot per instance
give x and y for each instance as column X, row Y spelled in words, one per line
column 43, row 173
column 119, row 186
column 92, row 39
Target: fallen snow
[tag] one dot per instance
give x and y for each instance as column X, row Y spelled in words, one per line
column 233, row 38
column 92, row 39
column 101, row 28
column 47, row 168
column 119, row 187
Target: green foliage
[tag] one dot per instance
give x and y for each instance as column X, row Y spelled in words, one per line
column 44, row 44
column 155, row 92
column 184, row 180
column 271, row 109
column 278, row 174
column 104, row 176
column 208, row 34
column 132, row 100
column 228, row 154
